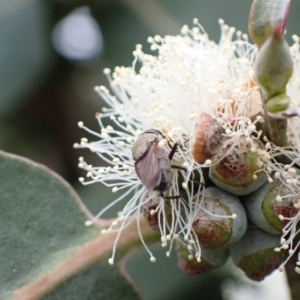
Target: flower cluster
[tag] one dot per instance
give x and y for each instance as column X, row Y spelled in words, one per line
column 202, row 97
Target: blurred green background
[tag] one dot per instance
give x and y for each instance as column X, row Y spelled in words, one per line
column 52, row 53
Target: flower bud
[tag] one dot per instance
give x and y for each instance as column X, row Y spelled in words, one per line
column 207, row 138
column 219, row 218
column 210, row 260
column 278, row 103
column 265, row 16
column 235, row 172
column 254, row 253
column 274, row 65
column 266, row 204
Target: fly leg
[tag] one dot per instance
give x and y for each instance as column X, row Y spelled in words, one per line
column 172, row 153
column 173, row 150
column 177, row 197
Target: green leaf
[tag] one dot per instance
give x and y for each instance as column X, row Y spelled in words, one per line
column 265, row 15
column 100, row 281
column 44, row 241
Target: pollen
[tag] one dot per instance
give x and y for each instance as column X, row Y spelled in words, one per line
column 281, row 269
column 115, row 189
column 88, row 223
column 152, row 259
column 184, row 185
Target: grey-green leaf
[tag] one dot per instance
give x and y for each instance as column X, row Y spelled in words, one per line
column 43, row 240
column 99, row 281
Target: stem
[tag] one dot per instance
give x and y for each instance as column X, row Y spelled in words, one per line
column 276, row 130
column 293, row 278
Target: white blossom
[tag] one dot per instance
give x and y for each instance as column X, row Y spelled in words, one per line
column 188, row 74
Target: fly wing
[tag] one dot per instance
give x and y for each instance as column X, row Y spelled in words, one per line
column 148, row 169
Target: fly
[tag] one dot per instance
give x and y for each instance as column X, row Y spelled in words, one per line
column 152, row 160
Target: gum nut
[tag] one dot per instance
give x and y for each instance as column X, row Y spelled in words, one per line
column 151, row 212
column 263, row 209
column 210, row 260
column 234, row 172
column 213, row 223
column 207, row 138
column 254, row 253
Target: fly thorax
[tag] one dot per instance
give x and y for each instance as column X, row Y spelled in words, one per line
column 143, row 143
column 163, row 158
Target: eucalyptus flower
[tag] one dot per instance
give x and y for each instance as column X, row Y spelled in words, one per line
column 188, row 75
